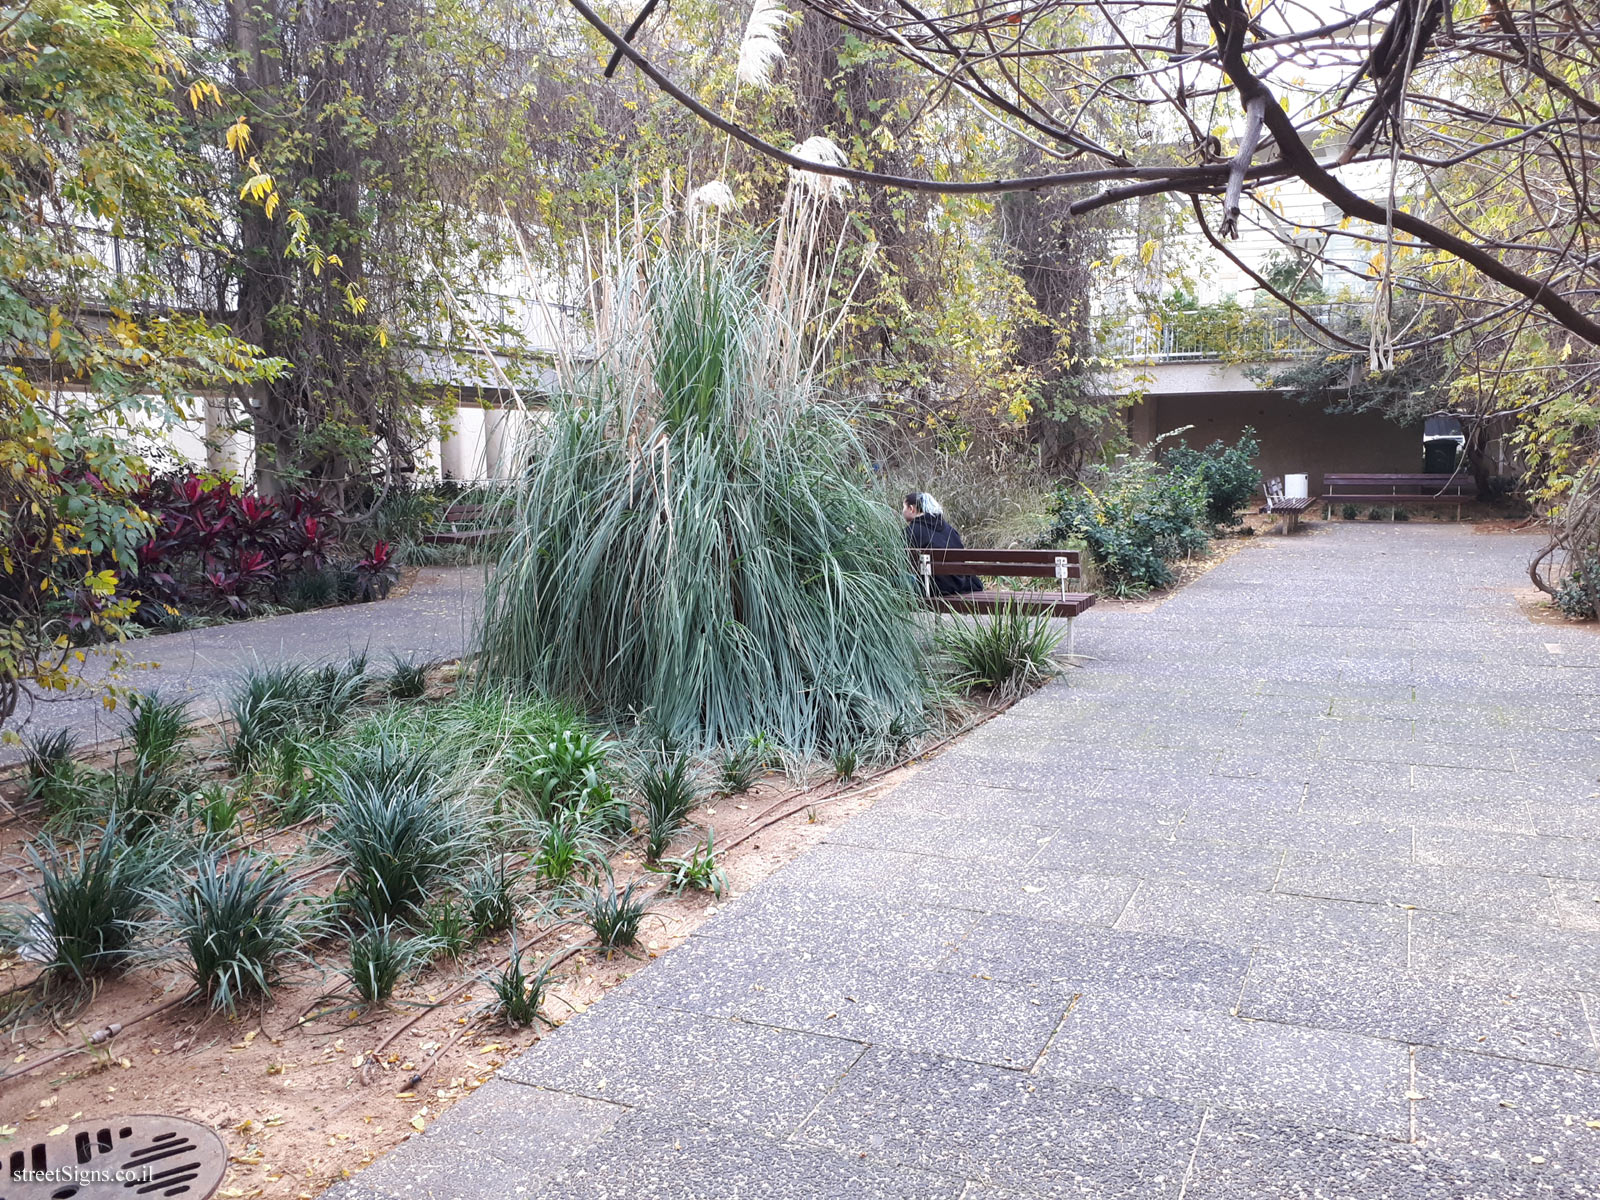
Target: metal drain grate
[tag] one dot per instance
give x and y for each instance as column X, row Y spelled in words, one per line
column 124, row 1157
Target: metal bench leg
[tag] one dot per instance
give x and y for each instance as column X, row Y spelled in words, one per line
column 1070, row 652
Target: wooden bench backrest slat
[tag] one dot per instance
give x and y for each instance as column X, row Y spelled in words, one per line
column 1413, row 485
column 1022, row 564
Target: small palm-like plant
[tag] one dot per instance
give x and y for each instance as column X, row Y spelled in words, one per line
column 493, row 896
column 51, row 770
column 448, row 927
column 408, row 679
column 383, row 956
column 271, row 704
column 519, row 996
column 565, row 774
column 156, row 731
column 1004, row 656
column 568, row 850
column 699, row 870
column 145, row 796
column 234, row 923
column 740, row 768
column 614, row 916
column 262, row 705
column 668, row 791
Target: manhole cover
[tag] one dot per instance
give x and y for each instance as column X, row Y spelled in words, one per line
column 119, row 1156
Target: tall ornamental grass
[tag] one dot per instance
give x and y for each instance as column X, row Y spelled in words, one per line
column 696, row 535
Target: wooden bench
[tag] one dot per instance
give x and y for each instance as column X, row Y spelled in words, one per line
column 461, row 524
column 1287, row 511
column 1398, row 491
column 1064, row 566
column 1286, row 508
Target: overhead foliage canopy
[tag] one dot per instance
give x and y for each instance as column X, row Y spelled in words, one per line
column 100, row 225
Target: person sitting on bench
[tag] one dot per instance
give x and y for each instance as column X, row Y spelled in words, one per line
column 926, row 529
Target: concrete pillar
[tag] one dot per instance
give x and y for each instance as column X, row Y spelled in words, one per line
column 228, row 450
column 496, row 440
column 453, row 454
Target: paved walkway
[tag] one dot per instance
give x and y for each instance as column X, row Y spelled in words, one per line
column 1292, row 892
column 432, row 621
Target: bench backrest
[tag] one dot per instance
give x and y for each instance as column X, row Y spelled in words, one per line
column 977, row 560
column 1399, row 485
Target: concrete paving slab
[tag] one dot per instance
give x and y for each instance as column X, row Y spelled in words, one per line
column 1420, row 1009
column 713, row 1069
column 1345, row 1080
column 1007, row 1128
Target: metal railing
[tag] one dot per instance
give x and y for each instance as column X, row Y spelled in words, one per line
column 1223, row 334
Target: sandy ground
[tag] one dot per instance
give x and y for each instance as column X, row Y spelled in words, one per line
column 310, row 1089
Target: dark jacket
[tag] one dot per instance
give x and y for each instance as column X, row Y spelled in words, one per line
column 928, row 532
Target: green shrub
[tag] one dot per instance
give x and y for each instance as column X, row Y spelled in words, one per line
column 146, row 797
column 493, row 897
column 567, row 849
column 270, row 705
column 1376, row 514
column 1135, row 519
column 51, row 772
column 407, row 680
column 398, row 843
column 1401, row 514
column 564, row 774
column 740, row 768
column 1228, row 474
column 155, row 734
column 1004, row 655
column 234, row 926
column 1349, row 512
column 613, row 916
column 449, row 927
column 740, row 574
column 1579, row 591
column 215, row 808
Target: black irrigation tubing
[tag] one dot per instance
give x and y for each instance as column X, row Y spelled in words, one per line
column 100, row 1037
column 370, row 1058
column 432, row 1060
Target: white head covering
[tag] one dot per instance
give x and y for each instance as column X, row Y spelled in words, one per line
column 930, row 505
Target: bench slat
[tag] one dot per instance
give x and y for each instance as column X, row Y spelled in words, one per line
column 1054, row 603
column 1408, row 497
column 1024, row 564
column 1453, row 488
